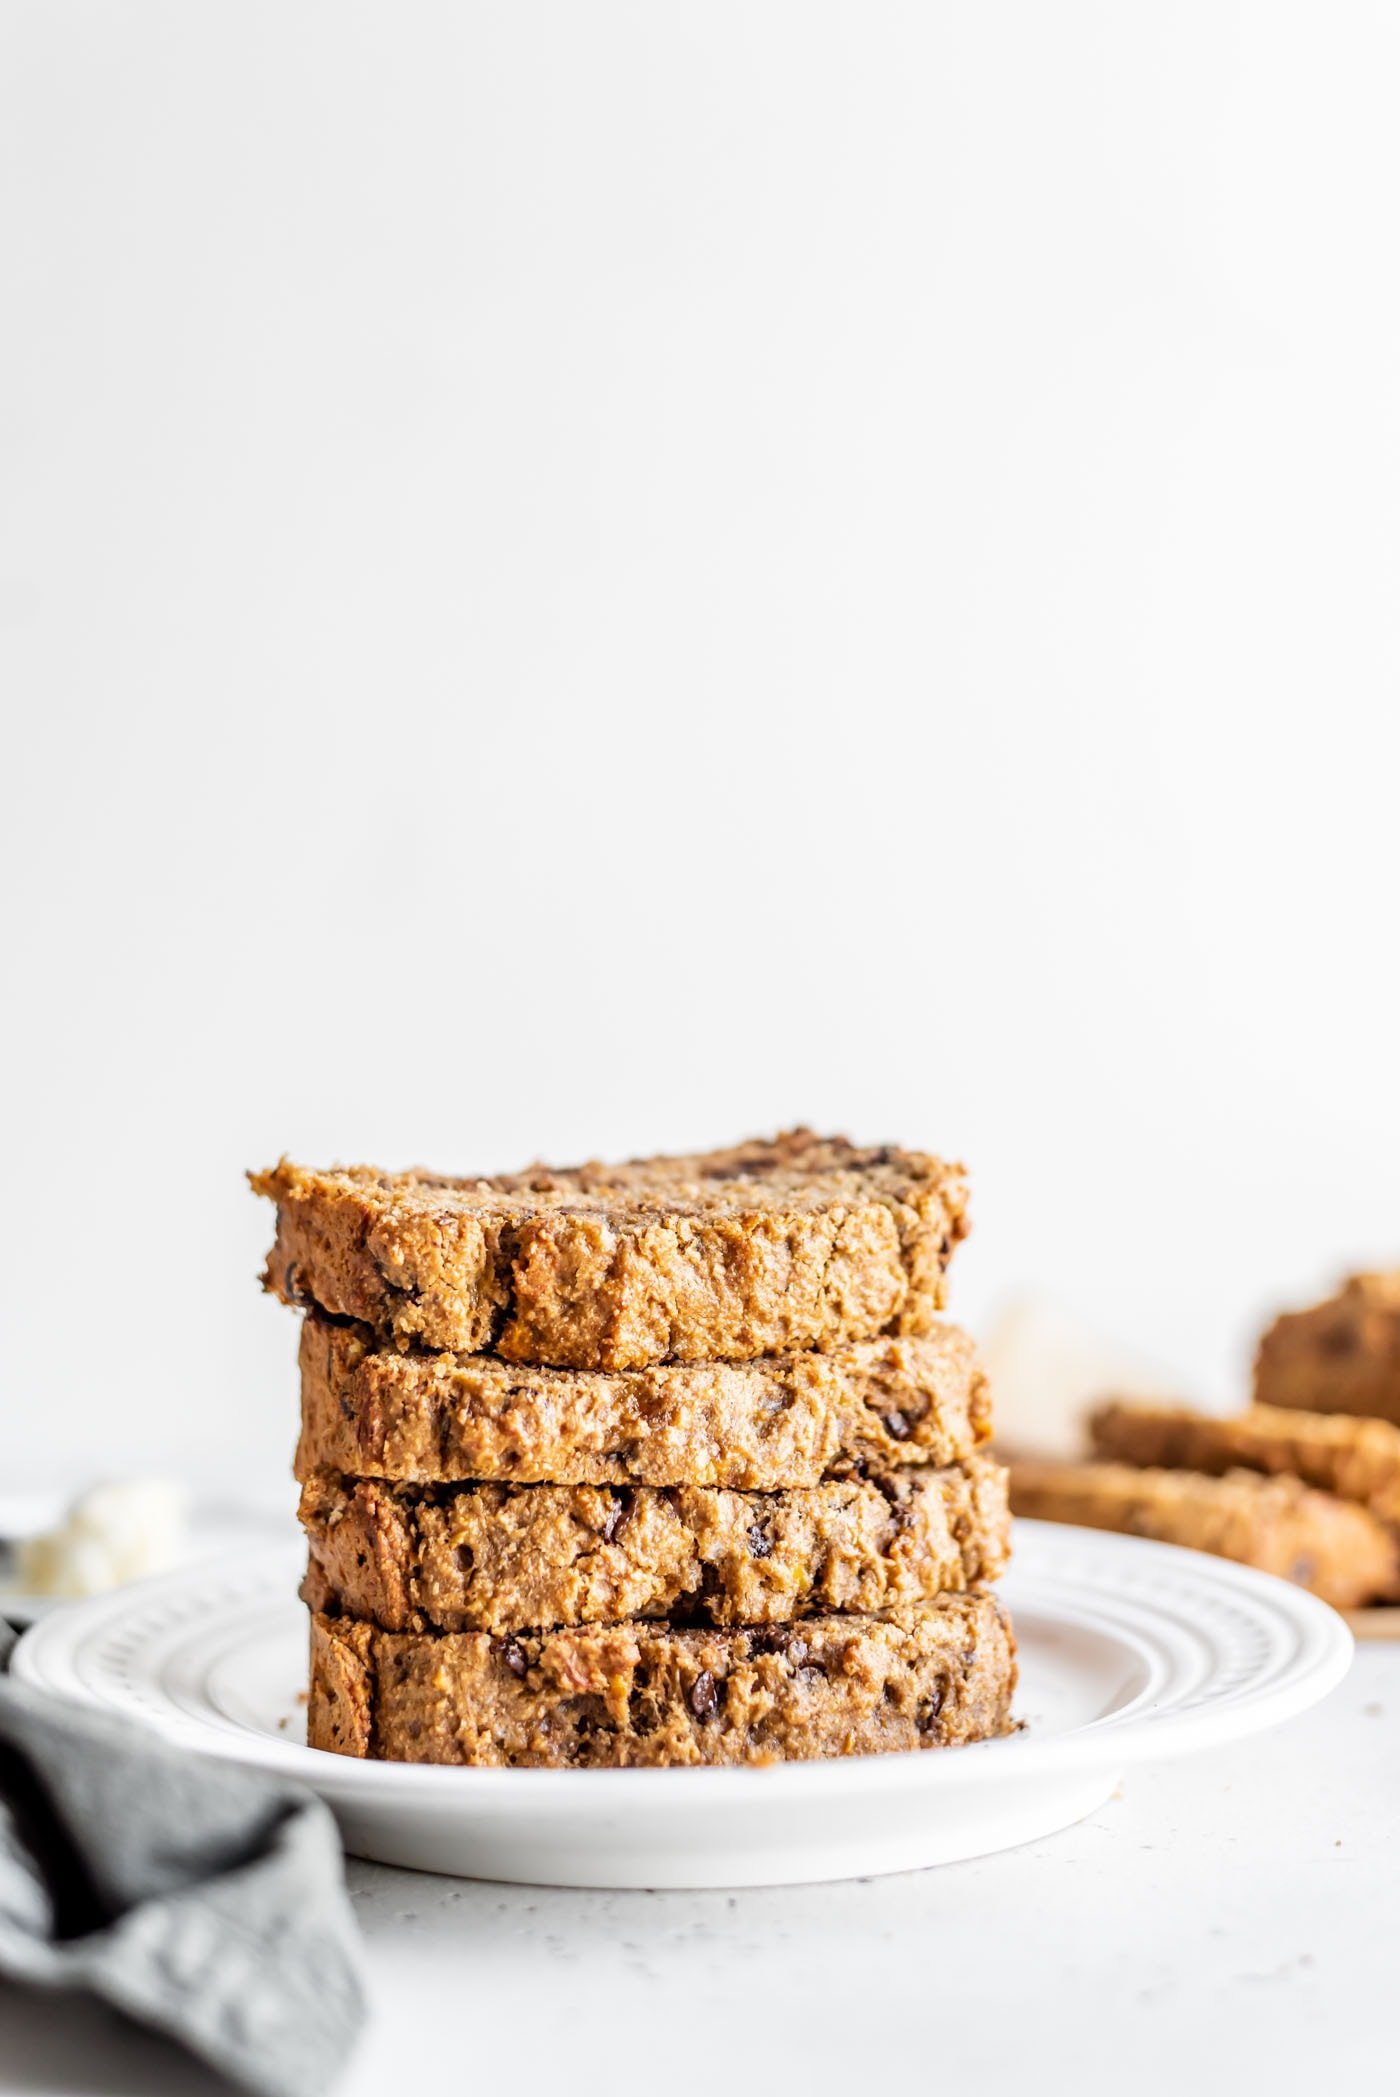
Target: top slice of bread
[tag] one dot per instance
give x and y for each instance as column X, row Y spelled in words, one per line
column 1341, row 1356
column 801, row 1242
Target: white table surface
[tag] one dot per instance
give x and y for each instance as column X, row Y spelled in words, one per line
column 1231, row 1921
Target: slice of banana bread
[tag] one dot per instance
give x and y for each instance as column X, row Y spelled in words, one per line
column 1353, row 1458
column 1342, row 1356
column 771, row 1247
column 506, row 1558
column 1330, row 1546
column 789, row 1420
column 932, row 1674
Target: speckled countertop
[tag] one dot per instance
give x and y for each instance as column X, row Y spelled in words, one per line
column 1223, row 1918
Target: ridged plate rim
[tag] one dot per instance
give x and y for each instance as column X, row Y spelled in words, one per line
column 1222, row 1651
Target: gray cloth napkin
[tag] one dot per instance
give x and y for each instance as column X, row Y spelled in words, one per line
column 197, row 1899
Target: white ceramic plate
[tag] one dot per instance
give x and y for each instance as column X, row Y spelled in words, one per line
column 1129, row 1651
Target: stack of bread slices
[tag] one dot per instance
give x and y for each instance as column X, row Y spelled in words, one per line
column 671, row 1462
column 1305, row 1483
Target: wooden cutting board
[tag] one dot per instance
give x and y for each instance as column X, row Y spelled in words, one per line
column 1374, row 1623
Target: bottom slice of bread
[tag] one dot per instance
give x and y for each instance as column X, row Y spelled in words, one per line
column 932, row 1674
column 1337, row 1550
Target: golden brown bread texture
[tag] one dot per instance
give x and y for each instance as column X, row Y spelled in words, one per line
column 767, row 1248
column 1337, row 1550
column 785, row 1421
column 932, row 1674
column 1342, row 1356
column 1355, row 1459
column 504, row 1558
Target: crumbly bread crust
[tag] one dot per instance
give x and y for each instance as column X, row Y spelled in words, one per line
column 933, row 1674
column 505, row 1558
column 767, row 1248
column 1353, row 1458
column 1341, row 1356
column 787, row 1421
column 1337, row 1550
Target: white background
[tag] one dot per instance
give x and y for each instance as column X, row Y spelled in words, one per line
column 591, row 578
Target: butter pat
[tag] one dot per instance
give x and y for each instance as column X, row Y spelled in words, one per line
column 113, row 1533
column 1048, row 1372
